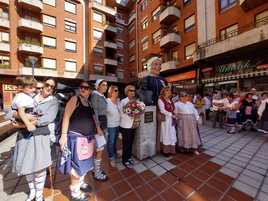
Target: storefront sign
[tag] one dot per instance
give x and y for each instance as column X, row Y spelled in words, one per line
column 234, row 67
column 204, row 70
column 8, row 87
column 182, row 76
column 262, row 67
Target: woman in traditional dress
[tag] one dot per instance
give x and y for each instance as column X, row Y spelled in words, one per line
column 78, row 140
column 187, row 124
column 168, row 136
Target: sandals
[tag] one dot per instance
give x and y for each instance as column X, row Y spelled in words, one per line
column 128, row 165
column 85, row 187
column 81, row 197
column 101, row 176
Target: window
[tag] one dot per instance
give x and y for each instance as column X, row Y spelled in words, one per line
column 189, row 51
column 120, row 44
column 4, row 37
column 98, row 17
column 70, row 46
column 50, row 2
column 4, row 13
column 156, row 13
column 4, row 61
column 145, row 23
column 261, row 18
column 119, row 30
column 49, row 42
column 98, row 69
column 227, row 3
column 189, row 23
column 132, row 58
column 70, row 65
column 175, row 55
column 49, row 63
column 144, row 5
column 132, row 44
column 97, row 34
column 49, row 21
column 98, row 1
column 156, row 36
column 70, row 7
column 229, row 32
column 98, row 51
column 145, row 43
column 70, row 26
column 131, row 28
column 120, row 59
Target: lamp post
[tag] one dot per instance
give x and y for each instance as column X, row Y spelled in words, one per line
column 33, row 61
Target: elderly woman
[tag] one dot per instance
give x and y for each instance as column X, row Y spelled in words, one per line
column 113, row 117
column 127, row 127
column 33, row 154
column 99, row 104
column 187, row 127
column 77, row 141
column 168, row 136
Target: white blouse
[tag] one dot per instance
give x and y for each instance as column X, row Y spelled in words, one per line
column 186, row 108
column 113, row 114
column 126, row 121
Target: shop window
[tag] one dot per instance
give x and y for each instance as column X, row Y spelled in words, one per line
column 189, row 51
column 261, row 18
column 97, row 17
column 145, row 23
column 70, row 65
column 189, row 23
column 50, row 2
column 70, row 46
column 4, row 61
column 70, row 26
column 49, row 21
column 49, row 63
column 156, row 13
column 229, row 32
column 70, row 7
column 225, row 4
column 157, row 36
column 49, row 42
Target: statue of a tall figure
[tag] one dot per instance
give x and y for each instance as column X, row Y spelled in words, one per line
column 151, row 85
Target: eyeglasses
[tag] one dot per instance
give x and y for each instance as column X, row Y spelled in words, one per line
column 132, row 90
column 84, row 87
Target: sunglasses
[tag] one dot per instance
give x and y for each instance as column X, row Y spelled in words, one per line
column 84, row 87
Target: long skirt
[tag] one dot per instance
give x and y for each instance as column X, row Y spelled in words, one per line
column 31, row 154
column 188, row 133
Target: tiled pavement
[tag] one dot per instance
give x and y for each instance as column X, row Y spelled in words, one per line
column 232, row 168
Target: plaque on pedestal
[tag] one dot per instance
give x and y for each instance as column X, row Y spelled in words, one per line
column 145, row 139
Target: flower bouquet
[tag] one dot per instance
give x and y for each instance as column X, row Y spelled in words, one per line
column 134, row 109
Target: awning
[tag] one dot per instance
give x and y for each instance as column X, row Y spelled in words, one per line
column 182, row 76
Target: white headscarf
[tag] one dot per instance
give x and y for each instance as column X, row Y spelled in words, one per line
column 97, row 83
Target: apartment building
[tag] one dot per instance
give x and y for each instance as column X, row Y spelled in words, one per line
column 44, row 38
column 233, row 44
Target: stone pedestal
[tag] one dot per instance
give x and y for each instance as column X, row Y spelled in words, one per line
column 145, row 140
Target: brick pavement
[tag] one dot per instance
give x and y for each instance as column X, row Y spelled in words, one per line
column 232, row 168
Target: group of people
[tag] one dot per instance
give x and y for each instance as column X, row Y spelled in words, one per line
column 237, row 112
column 90, row 122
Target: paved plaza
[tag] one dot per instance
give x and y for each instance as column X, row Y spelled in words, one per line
column 231, row 168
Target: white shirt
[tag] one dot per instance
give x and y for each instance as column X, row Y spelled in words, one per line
column 126, row 121
column 186, row 108
column 262, row 107
column 113, row 114
column 23, row 100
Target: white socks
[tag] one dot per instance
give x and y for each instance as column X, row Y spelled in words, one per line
column 36, row 182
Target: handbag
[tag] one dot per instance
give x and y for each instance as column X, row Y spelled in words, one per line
column 84, row 148
column 103, row 121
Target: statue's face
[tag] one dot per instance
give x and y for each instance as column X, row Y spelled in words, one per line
column 156, row 67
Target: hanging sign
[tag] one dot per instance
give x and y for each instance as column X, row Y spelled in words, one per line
column 235, row 67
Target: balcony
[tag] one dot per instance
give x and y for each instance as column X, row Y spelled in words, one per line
column 4, row 22
column 110, row 27
column 105, row 77
column 251, row 4
column 31, row 25
column 27, row 70
column 169, row 65
column 169, row 15
column 106, row 9
column 32, row 4
column 244, row 36
column 4, row 47
column 112, row 62
column 30, row 47
column 132, row 17
column 4, row 2
column 110, row 44
column 170, row 40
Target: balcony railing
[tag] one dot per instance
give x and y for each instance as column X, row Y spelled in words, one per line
column 106, row 9
column 234, row 33
column 110, row 44
column 5, row 66
column 169, row 65
column 4, row 46
column 169, row 15
column 112, row 62
column 4, row 1
column 32, row 3
column 31, row 47
column 251, row 4
column 132, row 17
column 30, row 24
column 170, row 40
column 111, row 27
column 4, row 22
